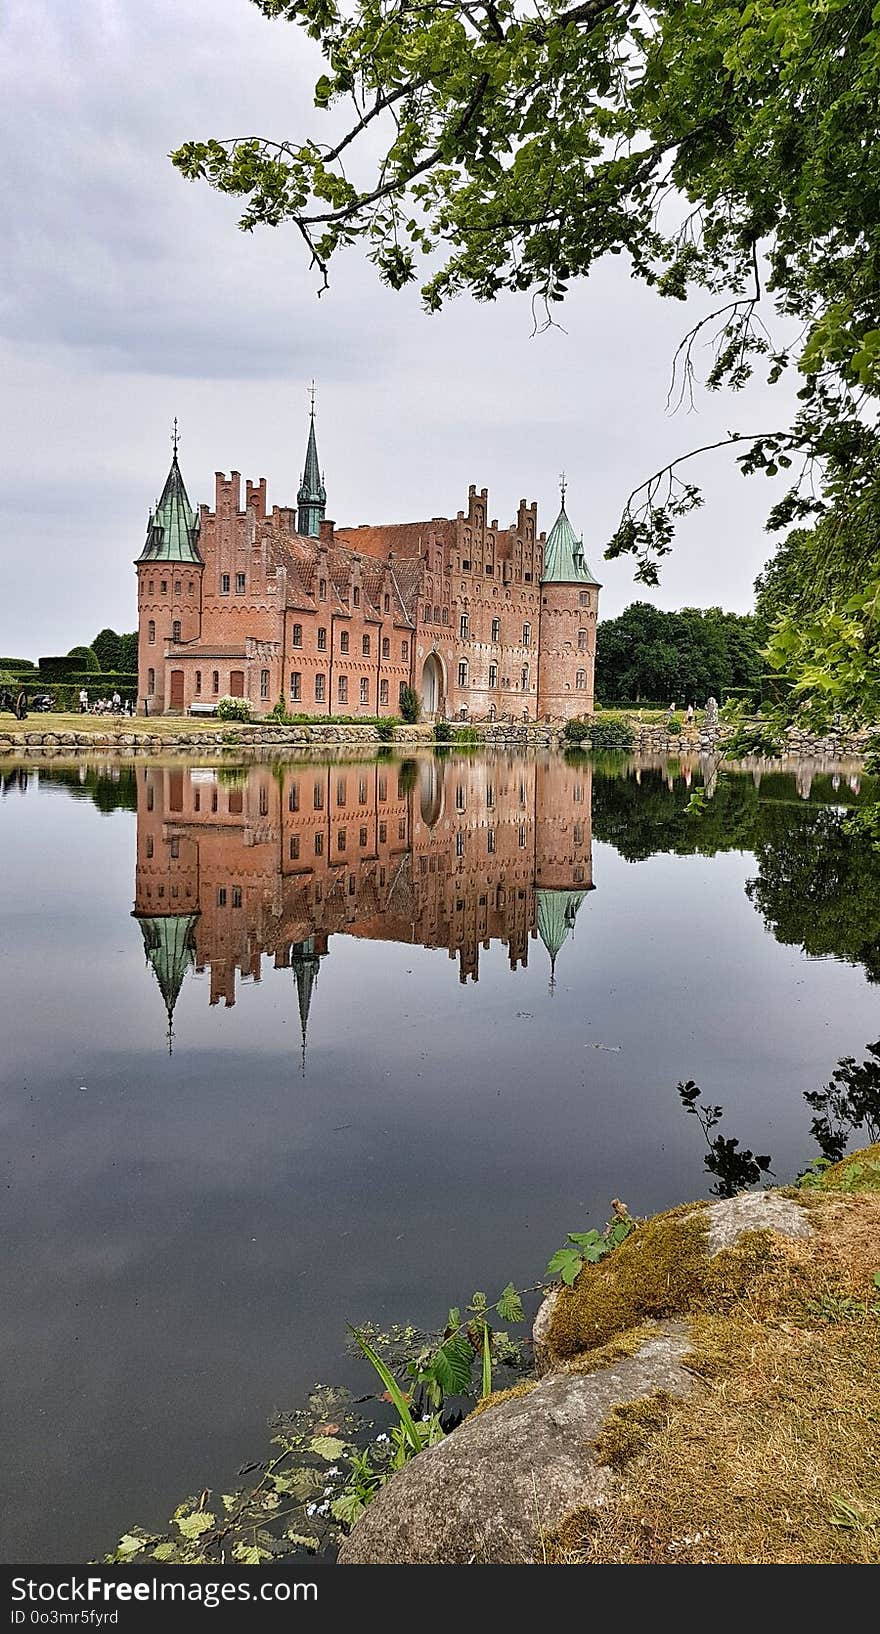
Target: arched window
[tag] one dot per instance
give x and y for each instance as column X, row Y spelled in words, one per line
column 175, row 630
column 527, row 635
column 215, row 682
column 580, row 680
column 151, row 631
column 463, row 673
column 151, row 681
column 386, row 647
column 198, row 683
column 297, row 638
column 177, row 587
column 582, row 640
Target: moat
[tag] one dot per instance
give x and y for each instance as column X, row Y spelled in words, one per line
column 305, row 1043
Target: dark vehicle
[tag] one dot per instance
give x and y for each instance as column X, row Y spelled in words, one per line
column 42, row 703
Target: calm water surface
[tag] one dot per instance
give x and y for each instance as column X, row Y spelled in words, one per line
column 305, row 1044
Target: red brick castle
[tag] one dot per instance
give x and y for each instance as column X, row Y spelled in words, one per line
column 481, row 621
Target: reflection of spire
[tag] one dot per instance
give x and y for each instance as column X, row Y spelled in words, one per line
column 557, row 911
column 168, row 944
column 305, row 964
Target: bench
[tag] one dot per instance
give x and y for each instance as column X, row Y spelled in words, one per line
column 203, row 709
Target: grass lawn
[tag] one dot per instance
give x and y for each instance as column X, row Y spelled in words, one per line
column 166, row 726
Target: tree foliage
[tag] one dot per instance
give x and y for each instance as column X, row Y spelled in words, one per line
column 685, row 657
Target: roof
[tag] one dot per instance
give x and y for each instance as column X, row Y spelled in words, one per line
column 564, row 559
column 557, row 911
column 168, row 944
column 406, row 538
column 173, row 528
column 312, row 488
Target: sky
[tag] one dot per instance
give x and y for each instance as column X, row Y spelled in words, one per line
column 129, row 296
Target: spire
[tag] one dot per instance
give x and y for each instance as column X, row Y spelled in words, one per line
column 557, row 911
column 305, row 964
column 173, row 527
column 168, row 944
column 564, row 559
column 312, row 497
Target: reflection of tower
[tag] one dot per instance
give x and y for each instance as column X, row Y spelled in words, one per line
column 305, row 962
column 563, row 850
column 169, row 946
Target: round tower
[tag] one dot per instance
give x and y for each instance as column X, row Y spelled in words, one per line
column 169, row 571
column 569, row 610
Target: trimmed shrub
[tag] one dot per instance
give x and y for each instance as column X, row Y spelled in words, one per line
column 610, row 732
column 410, row 707
column 17, row 663
column 575, row 733
column 106, row 647
column 233, row 709
column 84, row 658
column 442, row 732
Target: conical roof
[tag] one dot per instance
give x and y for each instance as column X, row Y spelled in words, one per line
column 305, row 963
column 564, row 559
column 312, row 496
column 557, row 911
column 173, row 528
column 168, row 944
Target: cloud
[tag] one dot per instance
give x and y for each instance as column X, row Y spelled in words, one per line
column 130, row 296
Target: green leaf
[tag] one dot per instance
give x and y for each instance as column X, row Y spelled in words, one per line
column 407, row 1421
column 566, row 1263
column 452, row 1365
column 327, row 1447
column 194, row 1524
column 486, row 1382
column 877, row 1279
column 509, row 1305
column 129, row 1544
column 584, row 1239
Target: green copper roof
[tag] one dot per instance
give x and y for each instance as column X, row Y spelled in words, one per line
column 564, row 559
column 173, row 528
column 312, row 496
column 168, row 944
column 557, row 911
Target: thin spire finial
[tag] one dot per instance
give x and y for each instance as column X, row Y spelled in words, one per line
column 563, row 485
column 312, row 398
column 175, row 437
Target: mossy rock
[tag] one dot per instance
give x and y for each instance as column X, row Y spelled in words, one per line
column 858, row 1172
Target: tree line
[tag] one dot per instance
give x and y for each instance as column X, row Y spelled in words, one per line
column 647, row 655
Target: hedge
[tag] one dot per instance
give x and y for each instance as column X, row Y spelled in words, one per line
column 17, row 663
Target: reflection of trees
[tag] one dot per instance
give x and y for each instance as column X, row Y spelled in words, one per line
column 849, row 1102
column 109, row 790
column 733, row 1166
column 644, row 817
column 817, row 887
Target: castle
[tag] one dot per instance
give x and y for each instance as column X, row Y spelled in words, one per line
column 481, row 621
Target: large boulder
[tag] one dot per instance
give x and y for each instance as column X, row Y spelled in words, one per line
column 509, row 1476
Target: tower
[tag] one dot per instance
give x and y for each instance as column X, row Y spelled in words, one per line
column 569, row 609
column 169, row 571
column 312, row 497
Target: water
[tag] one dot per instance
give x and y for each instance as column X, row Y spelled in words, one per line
column 259, row 1080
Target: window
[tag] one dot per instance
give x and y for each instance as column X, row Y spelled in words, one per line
column 224, row 584
column 235, row 803
column 581, row 680
column 383, row 692
column 462, row 674
column 527, row 635
column 463, row 627
column 149, row 845
column 264, row 801
column 401, row 829
column 322, row 589
column 151, row 681
column 214, row 798
column 190, row 588
column 297, row 638
column 436, row 615
column 365, row 646
column 490, row 795
column 264, row 683
column 295, row 686
column 343, row 641
column 175, row 630
column 221, row 897
column 383, row 833
column 341, row 791
column 151, row 631
column 386, row 603
column 493, row 675
column 490, row 841
column 340, row 840
column 582, row 640
column 362, row 838
column 293, row 797
column 152, row 586
column 496, row 629
column 578, row 833
column 239, row 584
column 319, row 845
column 524, row 678
column 404, row 651
column 164, row 587
column 177, row 587
column 215, row 682
column 362, row 791
column 198, row 683
column 459, row 844
column 236, row 896
column 459, row 797
column 400, row 691
column 427, row 613
column 320, row 689
column 365, row 689
column 522, row 836
column 584, row 598
column 322, row 638
column 356, row 597
column 343, row 689
column 293, row 848
column 386, row 647
column 318, row 797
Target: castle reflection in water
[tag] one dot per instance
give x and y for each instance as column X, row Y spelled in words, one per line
column 237, row 866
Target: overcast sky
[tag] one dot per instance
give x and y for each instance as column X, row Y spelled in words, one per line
column 129, row 296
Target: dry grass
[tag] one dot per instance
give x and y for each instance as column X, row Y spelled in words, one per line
column 778, row 1460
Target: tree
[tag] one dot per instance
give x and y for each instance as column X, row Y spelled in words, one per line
column 106, row 645
column 84, row 658
column 128, row 652
column 686, row 657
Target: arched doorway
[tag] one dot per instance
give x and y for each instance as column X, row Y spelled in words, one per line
column 430, row 791
column 433, row 692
